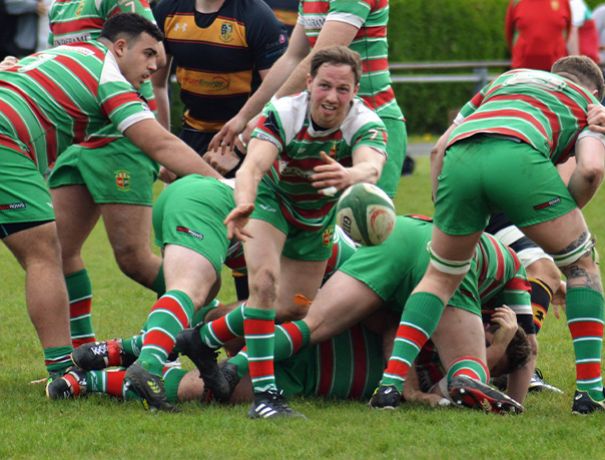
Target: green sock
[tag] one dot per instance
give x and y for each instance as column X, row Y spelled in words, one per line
column 585, row 322
column 290, row 337
column 200, row 315
column 170, row 315
column 471, row 367
column 221, row 330
column 132, row 345
column 259, row 328
column 419, row 320
column 57, row 359
column 172, row 379
column 79, row 290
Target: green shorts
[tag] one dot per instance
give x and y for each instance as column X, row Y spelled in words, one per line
column 24, row 195
column 394, row 268
column 190, row 213
column 300, row 244
column 116, row 173
column 484, row 175
column 396, row 148
column 296, row 375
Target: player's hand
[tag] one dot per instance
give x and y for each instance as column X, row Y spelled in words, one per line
column 166, row 176
column 596, row 118
column 507, row 320
column 559, row 299
column 222, row 163
column 331, row 176
column 225, row 139
column 8, row 62
column 237, row 220
column 430, row 399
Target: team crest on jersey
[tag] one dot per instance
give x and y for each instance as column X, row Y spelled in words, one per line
column 226, row 32
column 328, row 236
column 123, row 180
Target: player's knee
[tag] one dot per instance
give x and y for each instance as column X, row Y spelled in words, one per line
column 263, row 285
column 130, row 259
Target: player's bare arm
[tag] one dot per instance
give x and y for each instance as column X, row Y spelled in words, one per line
column 588, row 175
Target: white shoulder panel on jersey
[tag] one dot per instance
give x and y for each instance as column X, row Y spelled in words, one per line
column 98, row 4
column 358, row 115
column 348, row 18
column 292, row 111
column 111, row 71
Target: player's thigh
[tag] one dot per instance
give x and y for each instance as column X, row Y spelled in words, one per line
column 341, row 302
column 459, row 333
column 557, row 235
column 128, row 226
column 37, row 244
column 189, row 271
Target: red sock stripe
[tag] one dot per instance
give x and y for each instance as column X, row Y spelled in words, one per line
column 261, row 368
column 396, row 367
column 588, row 371
column 73, row 382
column 114, row 356
column 475, row 360
column 468, row 372
column 168, row 303
column 326, row 369
column 586, row 329
column 295, row 335
column 75, row 343
column 221, row 330
column 259, row 326
column 159, row 339
column 115, row 382
column 412, row 334
column 82, row 307
column 360, row 363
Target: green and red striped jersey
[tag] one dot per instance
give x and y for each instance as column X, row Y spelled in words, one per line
column 58, row 97
column 539, row 108
column 286, row 124
column 371, row 18
column 73, row 21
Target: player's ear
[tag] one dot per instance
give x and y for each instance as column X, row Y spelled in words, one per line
column 119, row 47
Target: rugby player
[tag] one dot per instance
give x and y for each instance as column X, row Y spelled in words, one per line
column 515, row 131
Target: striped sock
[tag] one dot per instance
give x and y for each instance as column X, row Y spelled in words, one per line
column 170, row 315
column 110, row 382
column 418, row 322
column 79, row 290
column 289, row 339
column 217, row 332
column 541, row 296
column 199, row 315
column 172, row 379
column 471, row 367
column 58, row 359
column 259, row 328
column 585, row 322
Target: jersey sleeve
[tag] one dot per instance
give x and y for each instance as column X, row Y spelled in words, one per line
column 472, row 105
column 270, row 128
column 267, row 38
column 373, row 135
column 118, row 99
column 351, row 12
column 109, row 8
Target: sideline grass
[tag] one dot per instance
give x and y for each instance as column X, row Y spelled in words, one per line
column 96, row 427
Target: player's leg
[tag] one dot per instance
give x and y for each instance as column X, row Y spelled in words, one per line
column 37, row 250
column 567, row 238
column 76, row 216
column 129, row 231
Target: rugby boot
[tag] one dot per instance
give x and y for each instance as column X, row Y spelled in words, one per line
column 467, row 392
column 537, row 383
column 70, row 385
column 583, row 404
column 385, row 397
column 150, row 387
column 100, row 355
column 271, row 404
column 189, row 343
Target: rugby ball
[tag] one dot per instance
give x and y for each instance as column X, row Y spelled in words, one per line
column 366, row 214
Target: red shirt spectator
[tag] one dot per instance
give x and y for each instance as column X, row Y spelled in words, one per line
column 536, row 32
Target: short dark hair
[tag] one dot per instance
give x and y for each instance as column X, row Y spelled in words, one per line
column 130, row 25
column 517, row 352
column 338, row 55
column 582, row 70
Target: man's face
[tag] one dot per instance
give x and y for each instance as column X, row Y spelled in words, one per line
column 137, row 57
column 331, row 90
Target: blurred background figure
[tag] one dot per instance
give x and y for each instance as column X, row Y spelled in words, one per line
column 598, row 15
column 584, row 38
column 43, row 26
column 537, row 32
column 19, row 26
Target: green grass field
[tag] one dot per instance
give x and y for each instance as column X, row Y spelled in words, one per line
column 97, row 427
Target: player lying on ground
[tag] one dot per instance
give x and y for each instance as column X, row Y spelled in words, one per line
column 387, row 274
column 347, row 366
column 515, row 131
